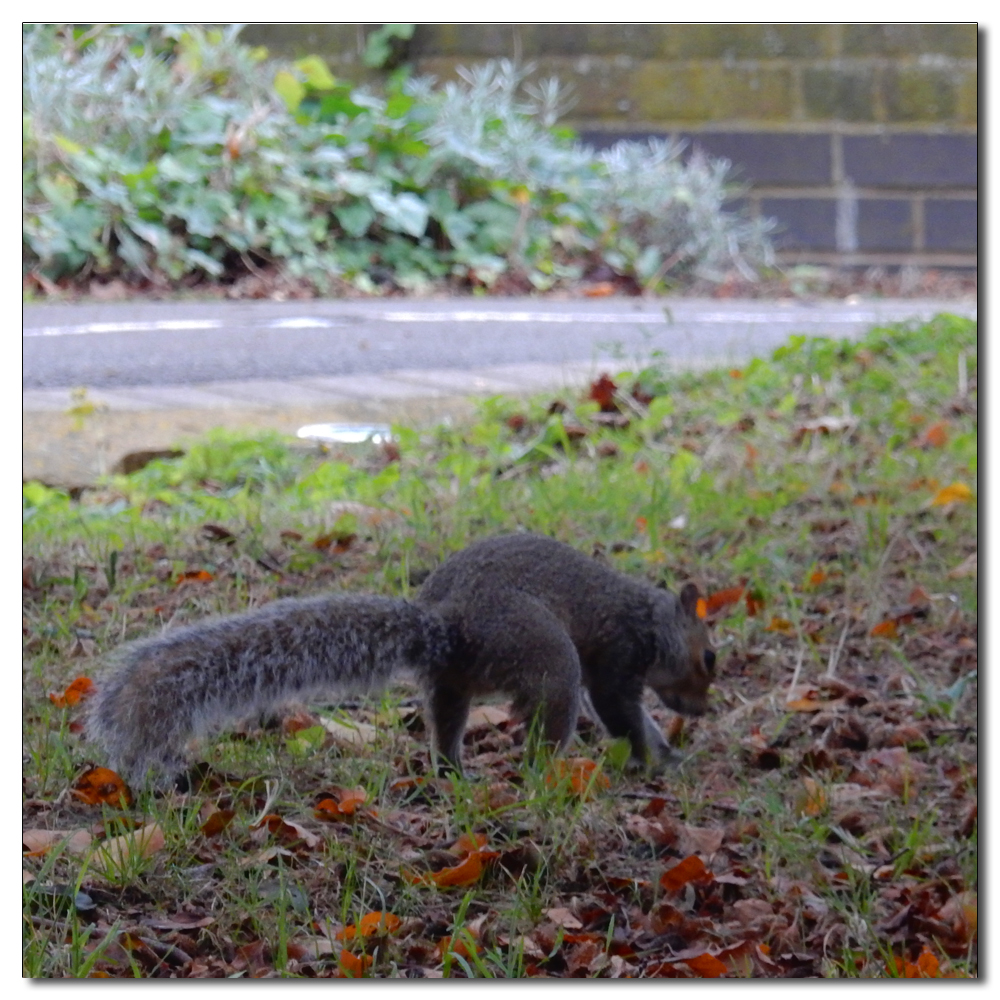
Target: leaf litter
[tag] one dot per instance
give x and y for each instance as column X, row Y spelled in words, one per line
column 824, row 821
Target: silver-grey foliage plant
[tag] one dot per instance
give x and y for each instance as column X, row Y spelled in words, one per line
column 171, row 150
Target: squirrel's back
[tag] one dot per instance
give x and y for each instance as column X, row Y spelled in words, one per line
column 533, row 563
column 586, row 595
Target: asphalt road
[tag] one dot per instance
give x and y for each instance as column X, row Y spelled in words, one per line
column 165, row 343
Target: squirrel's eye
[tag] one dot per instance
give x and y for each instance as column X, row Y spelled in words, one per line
column 710, row 659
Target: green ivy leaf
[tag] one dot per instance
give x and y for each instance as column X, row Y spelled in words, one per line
column 289, row 90
column 355, row 218
column 398, row 105
column 316, row 73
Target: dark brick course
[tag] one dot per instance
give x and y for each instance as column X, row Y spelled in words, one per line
column 640, row 41
column 911, row 160
column 745, row 41
column 951, row 225
column 920, row 94
column 845, row 94
column 885, row 224
column 956, row 40
column 777, row 158
column 803, row 223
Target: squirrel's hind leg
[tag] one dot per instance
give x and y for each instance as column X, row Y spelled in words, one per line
column 543, row 674
column 448, row 706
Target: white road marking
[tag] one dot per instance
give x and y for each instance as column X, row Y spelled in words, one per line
column 791, row 317
column 298, row 323
column 128, row 327
column 624, row 318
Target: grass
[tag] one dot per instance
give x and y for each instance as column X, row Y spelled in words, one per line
column 830, row 793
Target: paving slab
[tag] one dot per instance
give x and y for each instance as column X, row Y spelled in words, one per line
column 64, row 449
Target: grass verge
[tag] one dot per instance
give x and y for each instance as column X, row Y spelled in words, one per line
column 824, row 822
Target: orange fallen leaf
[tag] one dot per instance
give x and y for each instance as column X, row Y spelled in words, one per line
column 101, row 785
column 467, row 843
column 467, row 949
column 735, row 373
column 194, row 576
column 378, row 922
column 583, row 773
column 809, row 704
column 466, row 873
column 599, row 290
column 755, row 604
column 886, row 629
column 82, row 687
column 354, row 965
column 926, row 966
column 816, row 578
column 955, row 493
column 641, row 523
column 691, row 869
column 344, row 802
column 780, row 625
column 706, row 966
column 936, row 436
column 721, row 598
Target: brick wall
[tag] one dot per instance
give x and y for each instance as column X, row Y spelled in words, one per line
column 861, row 140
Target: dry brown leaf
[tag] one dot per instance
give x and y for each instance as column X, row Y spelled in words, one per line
column 38, row 842
column 353, row 734
column 811, row 799
column 116, row 854
column 563, row 917
column 969, row 566
column 216, row 821
column 488, row 715
column 288, row 831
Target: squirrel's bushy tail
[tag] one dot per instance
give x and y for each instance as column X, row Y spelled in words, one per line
column 189, row 681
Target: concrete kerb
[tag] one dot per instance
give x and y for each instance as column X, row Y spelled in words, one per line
column 64, row 448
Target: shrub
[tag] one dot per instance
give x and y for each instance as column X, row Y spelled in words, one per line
column 174, row 151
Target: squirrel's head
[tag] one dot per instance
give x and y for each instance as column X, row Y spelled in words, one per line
column 685, row 662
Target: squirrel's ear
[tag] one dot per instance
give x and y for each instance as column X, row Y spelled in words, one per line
column 690, row 596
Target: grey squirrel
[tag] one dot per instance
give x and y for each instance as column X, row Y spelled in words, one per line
column 522, row 615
